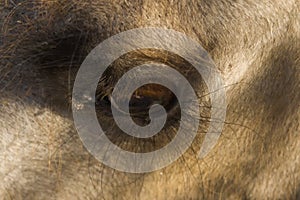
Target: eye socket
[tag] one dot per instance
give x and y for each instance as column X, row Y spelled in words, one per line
column 142, row 99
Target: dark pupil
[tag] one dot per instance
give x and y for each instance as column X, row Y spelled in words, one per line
column 105, row 101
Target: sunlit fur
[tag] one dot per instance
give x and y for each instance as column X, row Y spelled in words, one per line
column 255, row 45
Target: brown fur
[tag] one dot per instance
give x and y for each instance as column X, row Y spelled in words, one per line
column 254, row 43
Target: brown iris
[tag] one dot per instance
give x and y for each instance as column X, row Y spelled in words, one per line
column 147, row 95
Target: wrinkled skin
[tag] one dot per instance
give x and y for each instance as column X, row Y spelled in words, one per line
column 255, row 45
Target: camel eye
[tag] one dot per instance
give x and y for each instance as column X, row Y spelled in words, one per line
column 142, row 99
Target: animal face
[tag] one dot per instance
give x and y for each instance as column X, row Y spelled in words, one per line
column 253, row 44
